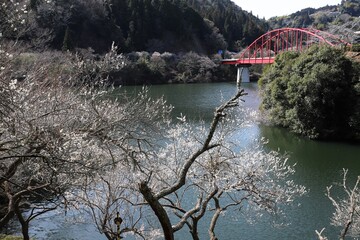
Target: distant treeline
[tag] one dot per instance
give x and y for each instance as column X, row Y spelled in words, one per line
column 135, row 68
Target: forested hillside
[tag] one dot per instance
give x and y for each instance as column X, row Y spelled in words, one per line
column 342, row 19
column 134, row 25
column 239, row 27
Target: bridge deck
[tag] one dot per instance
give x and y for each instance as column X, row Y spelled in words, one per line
column 246, row 61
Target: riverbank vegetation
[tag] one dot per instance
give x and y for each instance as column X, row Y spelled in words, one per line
column 9, row 237
column 135, row 68
column 315, row 94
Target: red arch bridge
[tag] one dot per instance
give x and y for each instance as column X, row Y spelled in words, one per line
column 265, row 48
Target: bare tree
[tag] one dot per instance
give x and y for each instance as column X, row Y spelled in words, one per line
column 347, row 209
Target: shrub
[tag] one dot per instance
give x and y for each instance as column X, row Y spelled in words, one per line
column 313, row 94
column 355, row 47
column 195, row 68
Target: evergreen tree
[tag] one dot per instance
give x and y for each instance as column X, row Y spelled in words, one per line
column 314, row 94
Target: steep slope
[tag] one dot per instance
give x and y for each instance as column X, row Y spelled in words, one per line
column 342, row 19
column 132, row 24
column 239, row 27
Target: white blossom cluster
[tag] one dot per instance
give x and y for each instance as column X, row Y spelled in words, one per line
column 15, row 13
column 15, row 16
column 87, row 69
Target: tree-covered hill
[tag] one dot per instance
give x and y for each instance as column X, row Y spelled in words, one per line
column 134, row 25
column 239, row 27
column 342, row 19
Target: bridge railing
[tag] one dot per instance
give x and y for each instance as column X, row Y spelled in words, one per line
column 265, row 48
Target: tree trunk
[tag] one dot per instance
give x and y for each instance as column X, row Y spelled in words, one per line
column 159, row 211
column 25, row 231
column 23, row 222
column 214, row 219
column 6, row 218
column 213, row 224
column 193, row 230
column 344, row 232
column 10, row 206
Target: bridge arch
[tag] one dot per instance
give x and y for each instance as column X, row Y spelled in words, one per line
column 265, row 48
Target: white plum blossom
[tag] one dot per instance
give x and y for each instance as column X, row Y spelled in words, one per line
column 347, row 209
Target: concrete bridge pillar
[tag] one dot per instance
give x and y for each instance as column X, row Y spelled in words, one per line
column 243, row 74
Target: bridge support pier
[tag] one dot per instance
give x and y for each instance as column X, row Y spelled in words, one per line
column 243, row 74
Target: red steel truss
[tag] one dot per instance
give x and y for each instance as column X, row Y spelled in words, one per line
column 265, row 48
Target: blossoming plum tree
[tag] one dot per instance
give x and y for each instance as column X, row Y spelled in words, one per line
column 70, row 143
column 189, row 165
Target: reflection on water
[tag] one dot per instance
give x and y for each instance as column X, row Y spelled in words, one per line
column 319, row 164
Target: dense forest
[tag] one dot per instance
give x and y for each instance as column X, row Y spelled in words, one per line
column 136, row 25
column 238, row 27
